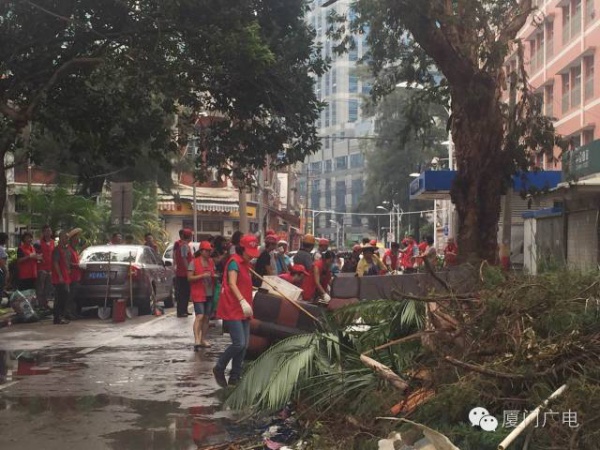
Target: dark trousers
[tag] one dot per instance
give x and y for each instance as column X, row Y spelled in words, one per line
column 182, row 295
column 61, row 297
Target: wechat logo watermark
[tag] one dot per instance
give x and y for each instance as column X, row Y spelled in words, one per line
column 481, row 418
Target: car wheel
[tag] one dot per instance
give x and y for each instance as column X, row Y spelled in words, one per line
column 170, row 300
column 147, row 304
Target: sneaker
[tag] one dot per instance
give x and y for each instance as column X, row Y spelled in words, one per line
column 220, row 377
column 61, row 322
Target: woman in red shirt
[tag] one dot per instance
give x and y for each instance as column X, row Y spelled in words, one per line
column 235, row 308
column 27, row 263
column 72, row 309
column 201, row 275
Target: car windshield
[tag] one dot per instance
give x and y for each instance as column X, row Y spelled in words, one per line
column 102, row 255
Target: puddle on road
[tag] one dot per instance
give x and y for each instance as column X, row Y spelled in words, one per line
column 157, row 425
column 24, row 363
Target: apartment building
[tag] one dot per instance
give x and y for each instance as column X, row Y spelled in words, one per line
column 560, row 56
column 334, row 178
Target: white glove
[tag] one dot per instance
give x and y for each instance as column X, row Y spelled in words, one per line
column 246, row 308
column 325, row 299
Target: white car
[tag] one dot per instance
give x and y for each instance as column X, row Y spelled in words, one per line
column 168, row 254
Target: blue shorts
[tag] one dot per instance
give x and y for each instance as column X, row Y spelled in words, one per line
column 204, row 308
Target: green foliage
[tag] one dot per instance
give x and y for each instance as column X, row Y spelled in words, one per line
column 102, row 82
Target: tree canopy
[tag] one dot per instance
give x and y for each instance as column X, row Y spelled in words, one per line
column 103, row 78
column 460, row 48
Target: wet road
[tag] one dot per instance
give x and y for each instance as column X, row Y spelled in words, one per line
column 105, row 385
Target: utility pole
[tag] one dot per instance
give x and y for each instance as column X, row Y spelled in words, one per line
column 243, row 209
column 505, row 246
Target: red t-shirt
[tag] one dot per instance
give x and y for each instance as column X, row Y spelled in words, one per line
column 390, row 260
column 47, row 249
column 198, row 287
column 28, row 268
column 182, row 256
column 229, row 306
column 75, row 270
column 324, row 274
column 450, row 254
column 60, row 255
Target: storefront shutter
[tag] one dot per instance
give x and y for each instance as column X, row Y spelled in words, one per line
column 582, row 239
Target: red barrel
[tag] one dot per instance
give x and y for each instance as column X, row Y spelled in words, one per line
column 119, row 307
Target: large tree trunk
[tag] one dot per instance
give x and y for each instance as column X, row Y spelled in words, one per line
column 483, row 167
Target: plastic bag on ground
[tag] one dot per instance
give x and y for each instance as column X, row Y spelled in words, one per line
column 22, row 304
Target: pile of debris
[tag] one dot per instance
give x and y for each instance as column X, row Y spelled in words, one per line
column 490, row 357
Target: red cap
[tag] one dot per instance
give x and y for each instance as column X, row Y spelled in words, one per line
column 323, row 242
column 271, row 239
column 270, row 231
column 373, row 243
column 187, row 233
column 249, row 243
column 298, row 268
column 205, row 245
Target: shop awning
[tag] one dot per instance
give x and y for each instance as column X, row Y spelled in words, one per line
column 204, row 206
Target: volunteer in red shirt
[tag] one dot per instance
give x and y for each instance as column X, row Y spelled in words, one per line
column 235, row 308
column 392, row 256
column 75, row 275
column 322, row 276
column 182, row 257
column 44, row 277
column 450, row 253
column 27, row 263
column 295, row 275
column 408, row 255
column 201, row 276
column 61, row 279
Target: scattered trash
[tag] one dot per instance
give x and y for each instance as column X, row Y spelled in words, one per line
column 22, row 303
column 280, row 432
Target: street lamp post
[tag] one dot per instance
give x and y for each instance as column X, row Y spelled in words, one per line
column 337, row 233
column 391, row 213
column 314, row 214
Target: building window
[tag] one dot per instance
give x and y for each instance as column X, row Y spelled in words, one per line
column 575, row 86
column 566, row 88
column 341, row 163
column 571, row 20
column 316, row 168
column 366, row 88
column 357, row 191
column 353, row 53
column 549, row 39
column 590, row 11
column 328, row 165
column 549, row 101
column 352, row 84
column 213, row 226
column 327, row 84
column 328, row 193
column 356, row 160
column 588, row 137
column 352, row 110
column 327, row 115
column 588, row 64
column 302, row 188
column 333, row 113
column 315, row 194
column 536, row 46
column 334, row 81
column 340, row 195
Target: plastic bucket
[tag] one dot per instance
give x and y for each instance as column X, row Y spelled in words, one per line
column 119, row 310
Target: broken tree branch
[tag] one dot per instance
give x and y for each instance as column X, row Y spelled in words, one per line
column 483, row 370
